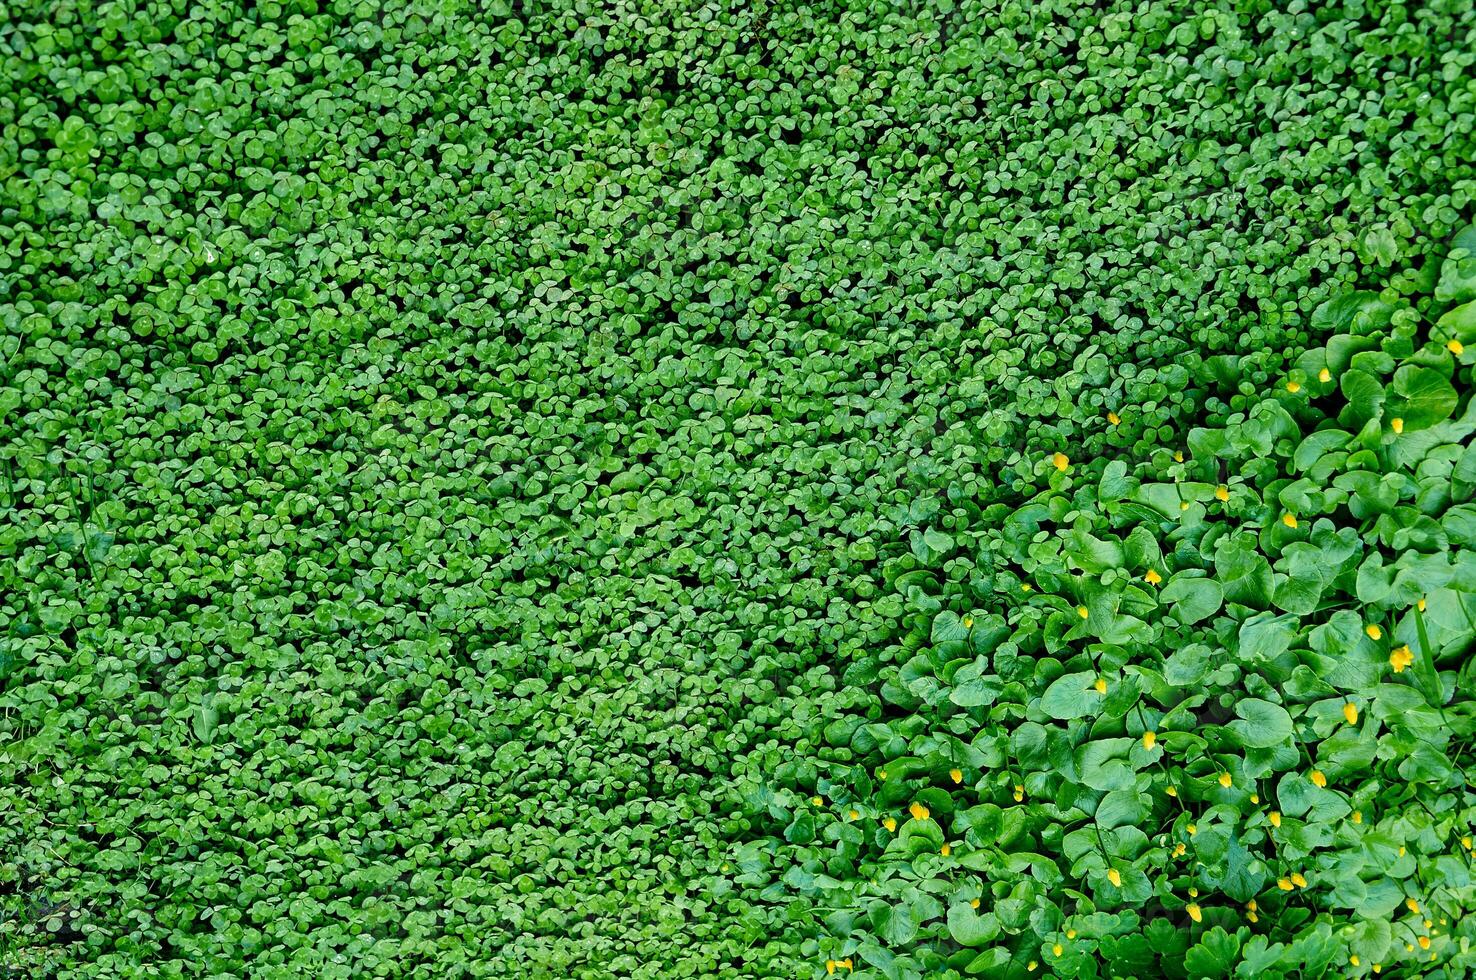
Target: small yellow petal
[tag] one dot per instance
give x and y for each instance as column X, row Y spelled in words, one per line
column 1284, row 884
column 1353, row 960
column 1402, row 851
column 1178, row 457
column 1153, row 578
column 1275, row 817
column 1358, row 816
column 1194, row 912
column 1298, row 880
column 968, row 622
column 1183, row 505
column 1253, row 917
column 1374, row 631
column 1350, row 712
column 1031, row 966
column 945, row 850
column 1222, row 493
column 1101, row 685
column 1114, row 877
column 1455, row 347
column 1060, row 461
column 1150, row 739
column 1081, row 611
column 956, row 775
column 890, row 823
column 974, row 904
column 918, row 811
column 1397, row 425
column 1192, row 830
column 1057, row 949
column 853, row 815
column 1401, row 658
column 1412, row 905
column 1466, row 843
column 816, row 801
column 1293, row 387
column 1324, row 375
column 1251, row 905
column 1318, row 779
column 1113, row 418
column 1424, row 942
column 1172, row 791
column 1070, row 933
column 1193, row 892
column 1225, row 780
column 1290, row 520
column 1255, row 798
column 1420, row 605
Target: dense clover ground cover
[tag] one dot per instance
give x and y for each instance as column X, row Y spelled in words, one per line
column 462, row 465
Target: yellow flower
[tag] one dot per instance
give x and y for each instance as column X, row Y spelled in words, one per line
column 1318, row 779
column 1225, row 779
column 1353, row 960
column 1194, row 912
column 1057, row 949
column 853, row 815
column 1275, row 817
column 1402, row 851
column 955, row 775
column 1424, row 942
column 1455, row 347
column 1298, row 880
column 1374, row 631
column 1253, row 917
column 1222, row 493
column 1350, row 712
column 816, row 801
column 945, row 850
column 1255, row 798
column 1409, row 947
column 1293, row 387
column 1150, row 739
column 1153, row 578
column 1377, row 968
column 1180, row 849
column 1412, row 905
column 1101, row 685
column 1193, row 892
column 1192, row 830
column 1060, row 461
column 847, row 963
column 1114, row 877
column 1070, row 933
column 890, row 823
column 968, row 622
column 974, row 904
column 1324, row 375
column 1401, row 658
column 1112, row 417
column 1420, row 605
column 1081, row 611
column 830, row 966
column 918, row 811
column 1284, row 884
column 1027, row 587
column 1290, row 520
column 1031, row 966
column 1251, row 905
column 1358, row 816
column 1397, row 425
column 1466, row 843
column 1019, row 792
column 1183, row 505
column 1178, row 457
column 881, row 774
column 1172, row 791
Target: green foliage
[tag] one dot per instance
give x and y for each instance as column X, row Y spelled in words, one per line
column 473, row 474
column 1228, row 690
